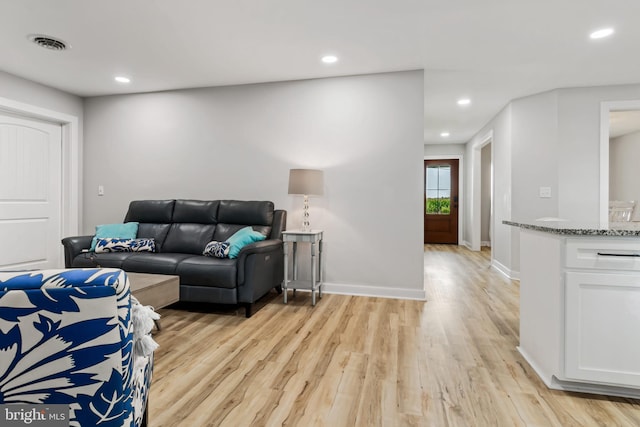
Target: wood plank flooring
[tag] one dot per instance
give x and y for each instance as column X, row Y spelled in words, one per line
column 357, row 361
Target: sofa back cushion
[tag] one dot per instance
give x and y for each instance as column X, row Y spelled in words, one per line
column 154, row 218
column 196, row 211
column 236, row 214
column 186, row 226
column 150, row 211
column 157, row 232
column 246, row 212
column 188, row 238
column 224, row 231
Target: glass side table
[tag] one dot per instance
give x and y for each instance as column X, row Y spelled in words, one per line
column 314, row 238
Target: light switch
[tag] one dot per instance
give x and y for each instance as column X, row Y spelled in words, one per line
column 545, row 192
column 100, row 190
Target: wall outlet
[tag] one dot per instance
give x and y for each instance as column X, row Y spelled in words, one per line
column 545, row 192
column 100, row 190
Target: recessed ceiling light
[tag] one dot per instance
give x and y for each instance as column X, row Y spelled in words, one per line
column 122, row 79
column 329, row 59
column 464, row 101
column 444, row 134
column 602, row 33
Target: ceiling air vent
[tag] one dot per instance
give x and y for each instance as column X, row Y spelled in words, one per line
column 48, row 42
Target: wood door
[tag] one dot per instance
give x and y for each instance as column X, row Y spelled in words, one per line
column 30, row 194
column 441, row 201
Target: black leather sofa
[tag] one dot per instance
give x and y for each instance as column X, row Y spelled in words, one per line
column 181, row 229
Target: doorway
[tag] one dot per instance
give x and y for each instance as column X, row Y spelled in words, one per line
column 69, row 125
column 30, row 193
column 609, row 112
column 441, row 202
column 486, row 196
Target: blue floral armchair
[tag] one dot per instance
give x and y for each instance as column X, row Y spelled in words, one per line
column 67, row 337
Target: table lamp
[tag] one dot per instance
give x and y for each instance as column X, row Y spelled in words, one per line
column 306, row 182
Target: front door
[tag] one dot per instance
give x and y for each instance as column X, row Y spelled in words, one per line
column 441, row 201
column 30, row 194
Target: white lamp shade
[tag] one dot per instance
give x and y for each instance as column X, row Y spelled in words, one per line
column 309, row 182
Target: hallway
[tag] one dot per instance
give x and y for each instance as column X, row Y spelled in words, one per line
column 473, row 312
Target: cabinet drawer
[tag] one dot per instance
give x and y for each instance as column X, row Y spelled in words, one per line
column 604, row 254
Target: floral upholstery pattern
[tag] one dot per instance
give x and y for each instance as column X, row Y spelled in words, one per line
column 66, row 337
column 125, row 245
column 217, row 249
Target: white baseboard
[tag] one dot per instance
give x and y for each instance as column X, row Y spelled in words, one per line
column 485, row 243
column 467, row 244
column 552, row 382
column 547, row 379
column 508, row 273
column 374, row 291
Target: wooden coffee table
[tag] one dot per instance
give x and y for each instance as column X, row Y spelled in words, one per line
column 156, row 290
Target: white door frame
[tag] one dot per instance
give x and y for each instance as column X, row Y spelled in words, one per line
column 605, row 108
column 460, row 159
column 476, row 191
column 70, row 203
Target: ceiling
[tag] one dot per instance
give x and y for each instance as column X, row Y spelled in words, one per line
column 491, row 51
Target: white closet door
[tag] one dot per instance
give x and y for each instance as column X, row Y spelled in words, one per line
column 30, row 194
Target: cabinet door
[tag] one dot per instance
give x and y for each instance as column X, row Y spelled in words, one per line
column 603, row 328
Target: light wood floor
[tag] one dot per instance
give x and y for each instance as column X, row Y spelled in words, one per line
column 356, row 361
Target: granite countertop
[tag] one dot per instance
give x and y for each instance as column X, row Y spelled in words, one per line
column 570, row 228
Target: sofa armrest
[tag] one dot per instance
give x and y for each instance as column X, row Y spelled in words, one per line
column 73, row 246
column 279, row 224
column 81, row 361
column 263, row 247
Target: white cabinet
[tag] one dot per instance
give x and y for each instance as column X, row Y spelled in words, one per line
column 580, row 311
column 602, row 327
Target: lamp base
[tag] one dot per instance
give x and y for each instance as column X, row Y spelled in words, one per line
column 305, row 215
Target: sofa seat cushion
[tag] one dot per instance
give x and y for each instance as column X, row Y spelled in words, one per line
column 154, row 263
column 104, row 260
column 207, row 271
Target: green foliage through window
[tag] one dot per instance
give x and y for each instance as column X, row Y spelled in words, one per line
column 439, row 206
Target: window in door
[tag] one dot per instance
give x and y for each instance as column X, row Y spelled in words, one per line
column 438, row 189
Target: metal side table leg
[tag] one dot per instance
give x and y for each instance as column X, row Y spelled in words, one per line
column 313, row 273
column 321, row 278
column 286, row 270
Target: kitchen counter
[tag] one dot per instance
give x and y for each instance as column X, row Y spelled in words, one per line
column 570, row 228
column 579, row 305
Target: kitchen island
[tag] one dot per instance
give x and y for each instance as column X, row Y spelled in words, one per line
column 580, row 305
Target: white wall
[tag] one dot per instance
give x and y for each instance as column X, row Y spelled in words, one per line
column 624, row 173
column 548, row 139
column 579, row 138
column 534, row 158
column 28, row 92
column 499, row 132
column 239, row 142
column 444, row 149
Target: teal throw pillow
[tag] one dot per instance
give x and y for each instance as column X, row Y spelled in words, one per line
column 242, row 238
column 128, row 230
